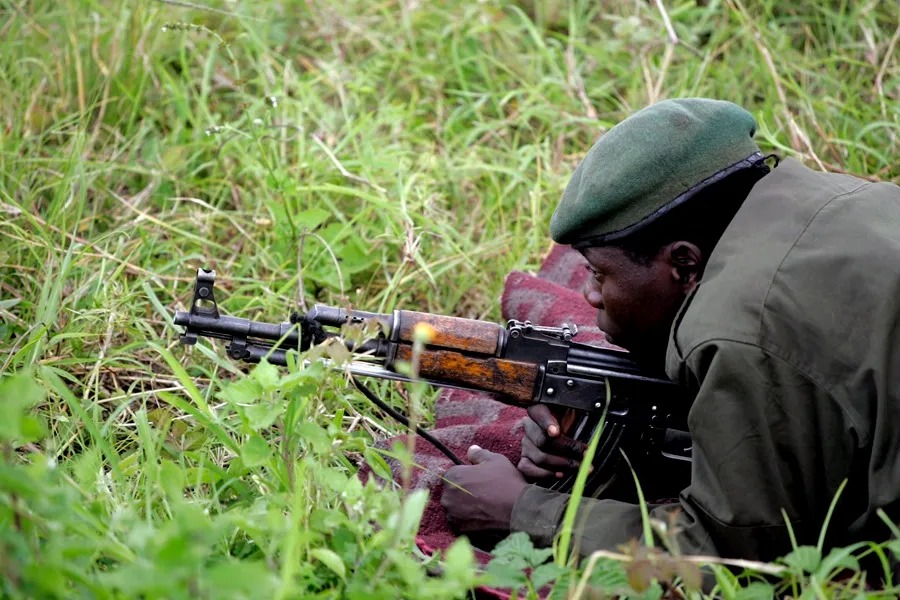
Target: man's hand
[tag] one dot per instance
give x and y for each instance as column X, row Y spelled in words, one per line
column 545, row 452
column 490, row 487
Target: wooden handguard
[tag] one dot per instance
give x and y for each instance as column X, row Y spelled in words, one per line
column 513, row 381
column 453, row 333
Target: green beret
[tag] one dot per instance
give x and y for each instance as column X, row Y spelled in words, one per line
column 649, row 163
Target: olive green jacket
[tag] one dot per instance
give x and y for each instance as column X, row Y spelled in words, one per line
column 791, row 343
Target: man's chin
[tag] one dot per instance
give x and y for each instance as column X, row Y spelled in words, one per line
column 642, row 348
column 611, row 339
column 640, row 352
column 614, row 337
column 647, row 354
column 609, row 333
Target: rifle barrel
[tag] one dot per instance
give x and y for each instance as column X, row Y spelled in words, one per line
column 226, row 327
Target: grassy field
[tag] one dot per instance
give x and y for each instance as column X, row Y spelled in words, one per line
column 389, row 153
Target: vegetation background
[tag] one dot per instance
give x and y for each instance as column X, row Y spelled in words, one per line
column 384, row 153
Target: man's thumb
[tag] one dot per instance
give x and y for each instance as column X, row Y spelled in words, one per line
column 477, row 454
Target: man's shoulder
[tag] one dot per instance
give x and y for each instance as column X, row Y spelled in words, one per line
column 729, row 302
column 805, row 260
column 792, row 177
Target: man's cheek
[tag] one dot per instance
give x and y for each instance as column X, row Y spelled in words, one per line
column 605, row 324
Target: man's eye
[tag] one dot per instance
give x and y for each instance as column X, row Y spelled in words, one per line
column 594, row 273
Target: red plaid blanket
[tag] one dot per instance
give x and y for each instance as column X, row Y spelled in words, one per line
column 552, row 297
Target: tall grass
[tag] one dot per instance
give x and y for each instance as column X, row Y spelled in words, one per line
column 393, row 153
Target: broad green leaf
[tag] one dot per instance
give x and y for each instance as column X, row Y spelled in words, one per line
column 171, row 478
column 545, row 573
column 607, row 574
column 505, row 575
column 331, row 560
column 805, row 558
column 336, row 351
column 175, row 551
column 333, row 234
column 311, row 218
column 315, row 436
column 519, row 547
column 755, row 591
column 539, row 556
column 354, row 257
column 654, row 592
column 344, row 542
column 515, row 545
column 411, row 513
column 131, row 464
column 409, row 569
column 329, row 478
column 459, row 560
column 138, row 580
column 305, row 381
column 9, row 303
column 809, row 593
column 239, row 579
column 377, row 463
column 516, row 562
column 255, row 451
column 838, row 558
column 326, row 520
column 18, row 393
column 266, row 374
column 353, row 488
column 85, row 467
column 262, row 416
column 140, row 535
column 14, row 480
column 51, row 582
column 31, row 428
column 202, row 475
column 243, row 392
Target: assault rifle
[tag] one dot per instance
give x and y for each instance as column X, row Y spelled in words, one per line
column 520, row 364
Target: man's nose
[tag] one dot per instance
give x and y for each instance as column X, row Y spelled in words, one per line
column 593, row 296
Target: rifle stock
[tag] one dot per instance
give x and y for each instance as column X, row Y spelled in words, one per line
column 513, row 380
column 454, row 333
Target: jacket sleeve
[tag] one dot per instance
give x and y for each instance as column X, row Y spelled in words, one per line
column 766, row 438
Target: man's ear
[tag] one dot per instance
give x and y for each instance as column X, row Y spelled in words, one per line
column 685, row 260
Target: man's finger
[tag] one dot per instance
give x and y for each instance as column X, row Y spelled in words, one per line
column 477, row 454
column 562, row 445
column 545, row 460
column 534, row 433
column 540, row 414
column 532, row 471
column 569, row 446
